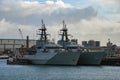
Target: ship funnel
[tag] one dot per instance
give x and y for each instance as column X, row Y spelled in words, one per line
column 27, row 42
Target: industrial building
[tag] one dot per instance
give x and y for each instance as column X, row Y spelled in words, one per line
column 14, row 43
column 91, row 43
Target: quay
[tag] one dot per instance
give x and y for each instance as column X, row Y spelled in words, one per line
column 17, row 61
column 114, row 61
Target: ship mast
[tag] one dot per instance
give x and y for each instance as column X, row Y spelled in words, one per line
column 64, row 33
column 64, row 36
column 43, row 35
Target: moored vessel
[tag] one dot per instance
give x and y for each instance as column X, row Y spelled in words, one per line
column 87, row 56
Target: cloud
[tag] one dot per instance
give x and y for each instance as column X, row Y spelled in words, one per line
column 31, row 12
column 83, row 24
column 107, row 9
column 96, row 29
column 10, row 30
column 109, row 1
column 28, row 14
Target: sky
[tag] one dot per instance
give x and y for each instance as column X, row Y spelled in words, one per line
column 97, row 20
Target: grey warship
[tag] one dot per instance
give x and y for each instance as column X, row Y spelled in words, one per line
column 50, row 53
column 87, row 57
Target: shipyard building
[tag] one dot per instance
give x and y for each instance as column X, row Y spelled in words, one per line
column 12, row 44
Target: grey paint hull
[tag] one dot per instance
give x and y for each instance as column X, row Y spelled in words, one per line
column 62, row 58
column 67, row 58
column 90, row 58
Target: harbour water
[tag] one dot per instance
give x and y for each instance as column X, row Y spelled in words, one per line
column 45, row 72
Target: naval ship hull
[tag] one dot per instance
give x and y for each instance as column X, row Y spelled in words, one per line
column 62, row 58
column 90, row 58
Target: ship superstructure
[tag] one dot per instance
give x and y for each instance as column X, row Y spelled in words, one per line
column 69, row 44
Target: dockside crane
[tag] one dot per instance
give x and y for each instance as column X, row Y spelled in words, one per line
column 20, row 33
